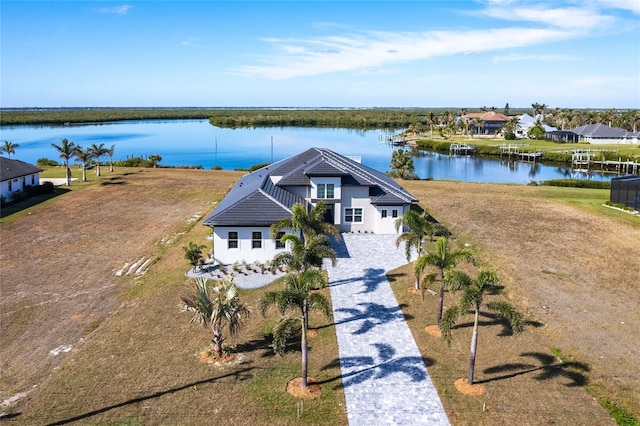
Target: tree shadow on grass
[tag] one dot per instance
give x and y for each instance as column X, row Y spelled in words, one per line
column 372, row 368
column 547, row 367
column 239, row 375
column 116, row 180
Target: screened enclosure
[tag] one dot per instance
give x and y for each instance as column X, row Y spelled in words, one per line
column 625, row 190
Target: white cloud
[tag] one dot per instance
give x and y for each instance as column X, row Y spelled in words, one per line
column 567, row 17
column 516, row 57
column 630, row 5
column 120, row 10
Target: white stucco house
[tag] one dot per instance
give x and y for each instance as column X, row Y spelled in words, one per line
column 597, row 133
column 16, row 175
column 358, row 199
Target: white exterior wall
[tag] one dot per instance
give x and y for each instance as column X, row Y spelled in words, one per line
column 610, row 141
column 227, row 256
column 19, row 183
column 387, row 225
column 337, row 190
column 357, row 197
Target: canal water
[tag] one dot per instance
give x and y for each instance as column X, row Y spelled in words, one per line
column 197, row 143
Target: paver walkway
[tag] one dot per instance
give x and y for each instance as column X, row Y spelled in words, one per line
column 385, row 379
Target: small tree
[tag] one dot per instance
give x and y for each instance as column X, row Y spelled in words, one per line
column 154, row 160
column 193, row 253
column 402, row 165
column 216, row 308
column 443, row 258
column 474, row 291
column 9, row 147
column 296, row 295
column 110, row 153
column 84, row 155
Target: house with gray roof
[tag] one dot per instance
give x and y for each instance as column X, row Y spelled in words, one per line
column 597, row 133
column 16, row 175
column 358, row 199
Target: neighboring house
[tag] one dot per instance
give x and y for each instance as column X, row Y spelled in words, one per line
column 17, row 175
column 525, row 122
column 358, row 199
column 625, row 190
column 595, row 134
column 485, row 123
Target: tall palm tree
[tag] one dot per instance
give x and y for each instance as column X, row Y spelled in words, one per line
column 309, row 223
column 216, row 308
column 402, row 164
column 84, row 155
column 418, row 226
column 304, row 255
column 297, row 295
column 474, row 291
column 443, row 258
column 9, row 147
column 98, row 151
column 66, row 150
column 110, row 153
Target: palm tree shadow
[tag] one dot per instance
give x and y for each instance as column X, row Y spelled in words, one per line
column 371, row 315
column 372, row 279
column 242, row 374
column 371, row 368
column 492, row 319
column 546, row 368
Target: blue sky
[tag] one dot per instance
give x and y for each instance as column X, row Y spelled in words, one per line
column 581, row 54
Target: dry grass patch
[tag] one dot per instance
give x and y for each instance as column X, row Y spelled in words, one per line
column 140, row 362
column 567, row 262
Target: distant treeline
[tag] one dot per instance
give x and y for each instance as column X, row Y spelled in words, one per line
column 367, row 118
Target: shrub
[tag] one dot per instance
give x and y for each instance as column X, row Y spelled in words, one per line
column 216, row 167
column 45, row 162
column 575, row 183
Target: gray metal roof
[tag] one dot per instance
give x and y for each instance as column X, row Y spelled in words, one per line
column 600, row 130
column 256, row 200
column 12, row 169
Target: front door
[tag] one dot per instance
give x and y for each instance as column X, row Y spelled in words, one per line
column 328, row 214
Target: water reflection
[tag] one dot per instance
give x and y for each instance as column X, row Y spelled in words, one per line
column 196, row 142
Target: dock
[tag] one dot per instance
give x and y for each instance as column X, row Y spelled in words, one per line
column 587, row 160
column 516, row 151
column 461, row 149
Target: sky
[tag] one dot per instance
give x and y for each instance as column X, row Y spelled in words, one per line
column 573, row 53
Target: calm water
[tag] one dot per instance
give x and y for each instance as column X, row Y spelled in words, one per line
column 196, row 142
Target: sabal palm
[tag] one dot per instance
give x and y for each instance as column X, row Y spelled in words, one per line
column 443, row 258
column 9, row 147
column 98, row 151
column 418, row 225
column 296, row 295
column 155, row 159
column 309, row 223
column 304, row 255
column 474, row 291
column 66, row 150
column 216, row 308
column 84, row 155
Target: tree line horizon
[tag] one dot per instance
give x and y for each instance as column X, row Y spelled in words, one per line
column 347, row 118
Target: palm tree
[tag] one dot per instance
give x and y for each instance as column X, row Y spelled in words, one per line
column 474, row 291
column 308, row 223
column 154, row 160
column 193, row 253
column 304, row 255
column 297, row 295
column 66, row 150
column 84, row 155
column 110, row 153
column 402, row 164
column 418, row 226
column 9, row 147
column 443, row 258
column 98, row 151
column 216, row 308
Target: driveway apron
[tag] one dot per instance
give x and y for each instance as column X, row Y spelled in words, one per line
column 384, row 376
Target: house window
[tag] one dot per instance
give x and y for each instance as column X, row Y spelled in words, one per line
column 9, row 185
column 394, row 213
column 256, row 240
column 232, row 240
column 325, row 190
column 353, row 215
column 33, row 179
column 279, row 243
column 384, row 213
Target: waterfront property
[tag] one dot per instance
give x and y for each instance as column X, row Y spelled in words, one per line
column 595, row 134
column 358, row 199
column 485, row 123
column 16, row 175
